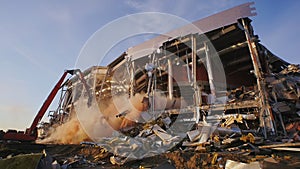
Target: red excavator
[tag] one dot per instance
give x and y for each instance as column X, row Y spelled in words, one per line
column 31, row 133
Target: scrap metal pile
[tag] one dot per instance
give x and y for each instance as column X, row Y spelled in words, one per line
column 235, row 134
column 217, row 91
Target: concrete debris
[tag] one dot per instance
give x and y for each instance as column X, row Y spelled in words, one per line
column 238, row 165
column 162, row 134
column 155, row 142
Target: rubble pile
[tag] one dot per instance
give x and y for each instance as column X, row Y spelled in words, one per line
column 90, row 155
column 229, row 160
column 233, row 136
column 284, row 99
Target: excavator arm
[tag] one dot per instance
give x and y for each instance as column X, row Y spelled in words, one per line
column 31, row 133
column 47, row 103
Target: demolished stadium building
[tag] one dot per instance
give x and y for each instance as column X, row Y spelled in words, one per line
column 217, row 86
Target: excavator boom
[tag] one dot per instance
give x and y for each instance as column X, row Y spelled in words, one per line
column 46, row 104
column 31, row 133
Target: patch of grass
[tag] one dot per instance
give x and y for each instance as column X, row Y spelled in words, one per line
column 25, row 161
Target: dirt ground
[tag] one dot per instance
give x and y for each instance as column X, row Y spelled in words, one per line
column 89, row 156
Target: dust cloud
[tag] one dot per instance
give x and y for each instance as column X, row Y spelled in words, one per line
column 105, row 116
column 92, row 123
column 70, row 132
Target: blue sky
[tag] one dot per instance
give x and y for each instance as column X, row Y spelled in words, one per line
column 39, row 40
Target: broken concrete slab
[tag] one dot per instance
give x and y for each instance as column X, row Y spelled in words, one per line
column 230, row 164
